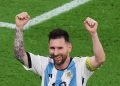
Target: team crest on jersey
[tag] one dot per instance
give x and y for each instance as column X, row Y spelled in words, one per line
column 68, row 74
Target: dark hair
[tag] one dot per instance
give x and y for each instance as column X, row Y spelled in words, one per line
column 59, row 33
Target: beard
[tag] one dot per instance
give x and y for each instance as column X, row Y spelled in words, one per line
column 59, row 59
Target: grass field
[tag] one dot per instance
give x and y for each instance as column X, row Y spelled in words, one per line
column 106, row 12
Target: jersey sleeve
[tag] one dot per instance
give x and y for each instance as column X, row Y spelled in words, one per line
column 86, row 73
column 37, row 63
column 89, row 65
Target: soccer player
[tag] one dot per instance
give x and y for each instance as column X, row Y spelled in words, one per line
column 60, row 69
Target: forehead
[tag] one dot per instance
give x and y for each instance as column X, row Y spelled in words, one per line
column 57, row 42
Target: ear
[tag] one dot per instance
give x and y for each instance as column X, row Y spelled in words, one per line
column 69, row 47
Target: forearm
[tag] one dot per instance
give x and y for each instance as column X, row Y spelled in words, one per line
column 98, row 49
column 19, row 46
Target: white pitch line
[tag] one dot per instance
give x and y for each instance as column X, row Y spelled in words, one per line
column 48, row 15
column 7, row 25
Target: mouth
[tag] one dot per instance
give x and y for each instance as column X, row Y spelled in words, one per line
column 57, row 59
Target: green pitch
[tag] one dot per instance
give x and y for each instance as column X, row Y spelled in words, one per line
column 106, row 12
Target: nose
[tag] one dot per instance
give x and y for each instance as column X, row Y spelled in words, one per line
column 55, row 52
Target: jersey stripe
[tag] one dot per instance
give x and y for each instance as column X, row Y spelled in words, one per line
column 53, row 79
column 58, row 77
column 72, row 68
column 48, row 73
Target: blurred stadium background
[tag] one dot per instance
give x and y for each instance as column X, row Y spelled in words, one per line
column 106, row 12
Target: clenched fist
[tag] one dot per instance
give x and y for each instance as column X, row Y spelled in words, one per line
column 91, row 25
column 22, row 19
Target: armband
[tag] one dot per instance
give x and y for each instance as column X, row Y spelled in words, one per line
column 89, row 65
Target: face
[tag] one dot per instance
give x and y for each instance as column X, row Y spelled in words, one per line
column 59, row 50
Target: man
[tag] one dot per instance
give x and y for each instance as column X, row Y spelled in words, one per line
column 59, row 69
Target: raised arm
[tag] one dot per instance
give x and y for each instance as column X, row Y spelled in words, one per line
column 21, row 20
column 99, row 55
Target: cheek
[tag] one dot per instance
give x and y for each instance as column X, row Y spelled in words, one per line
column 65, row 51
column 50, row 51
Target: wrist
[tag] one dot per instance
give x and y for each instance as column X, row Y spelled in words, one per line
column 19, row 28
column 93, row 34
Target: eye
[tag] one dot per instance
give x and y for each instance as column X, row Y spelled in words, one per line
column 52, row 48
column 60, row 47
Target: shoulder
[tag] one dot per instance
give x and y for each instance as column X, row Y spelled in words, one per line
column 85, row 62
column 38, row 56
column 39, row 59
column 80, row 59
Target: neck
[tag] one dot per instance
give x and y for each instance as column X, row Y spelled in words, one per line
column 64, row 65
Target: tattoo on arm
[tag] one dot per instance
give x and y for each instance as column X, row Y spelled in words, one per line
column 19, row 46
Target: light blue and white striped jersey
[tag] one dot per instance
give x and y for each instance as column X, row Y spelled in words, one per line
column 76, row 74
